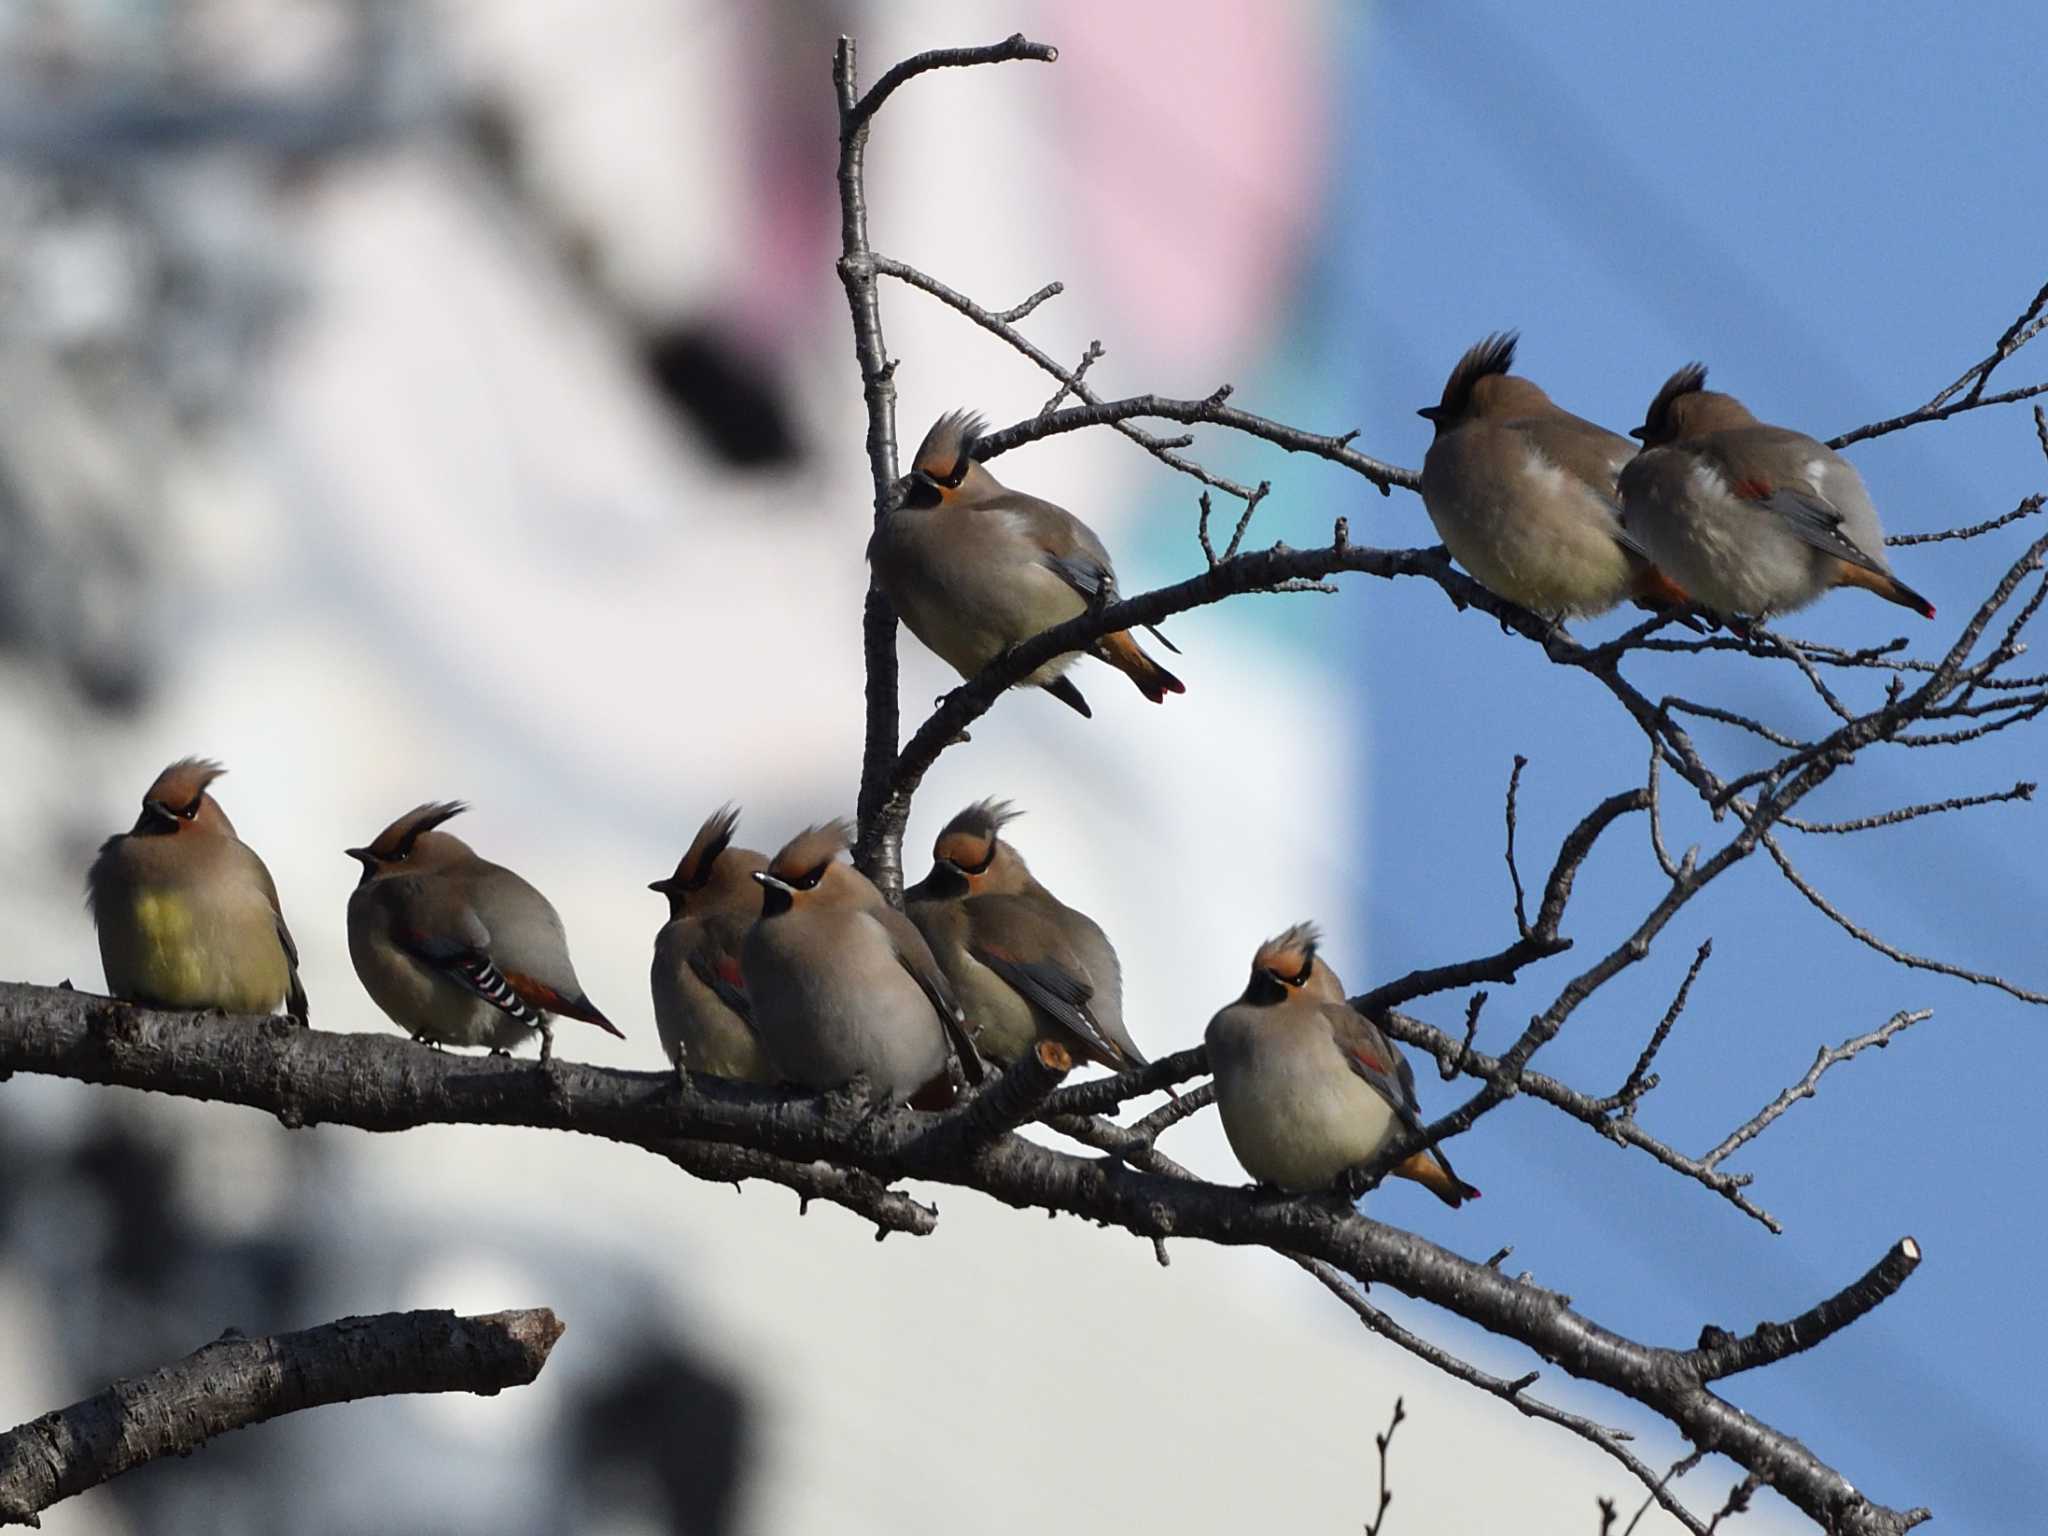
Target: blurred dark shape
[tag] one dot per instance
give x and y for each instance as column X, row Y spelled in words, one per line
column 492, row 127
column 728, row 394
column 130, row 1278
column 725, row 391
column 668, row 1429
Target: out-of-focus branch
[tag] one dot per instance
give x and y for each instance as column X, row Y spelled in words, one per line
column 235, row 1382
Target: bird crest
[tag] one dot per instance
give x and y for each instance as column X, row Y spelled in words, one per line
column 1485, row 359
column 1661, row 424
column 968, row 841
column 693, row 871
column 947, row 451
column 180, row 787
column 396, row 841
column 810, row 851
column 1289, row 957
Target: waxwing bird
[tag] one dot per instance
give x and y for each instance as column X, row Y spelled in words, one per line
column 1025, row 965
column 1750, row 519
column 456, row 949
column 976, row 569
column 843, row 984
column 701, row 1010
column 1523, row 494
column 187, row 914
column 1308, row 1087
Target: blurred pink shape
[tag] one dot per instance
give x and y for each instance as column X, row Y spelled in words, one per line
column 1198, row 133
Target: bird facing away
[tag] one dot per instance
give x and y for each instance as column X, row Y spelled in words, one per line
column 701, row 1009
column 976, row 569
column 1308, row 1087
column 456, row 949
column 1025, row 965
column 187, row 914
column 1524, row 495
column 843, row 984
column 1749, row 518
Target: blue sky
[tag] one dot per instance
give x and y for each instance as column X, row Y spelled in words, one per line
column 1838, row 220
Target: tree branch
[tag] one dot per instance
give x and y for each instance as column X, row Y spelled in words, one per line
column 235, row 1382
column 379, row 1082
column 1720, row 1354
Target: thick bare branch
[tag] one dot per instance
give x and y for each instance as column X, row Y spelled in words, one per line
column 235, row 1382
column 382, row 1083
column 1721, row 1354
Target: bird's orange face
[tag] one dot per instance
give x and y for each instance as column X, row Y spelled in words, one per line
column 178, row 800
column 804, row 864
column 943, row 459
column 969, row 854
column 1284, row 965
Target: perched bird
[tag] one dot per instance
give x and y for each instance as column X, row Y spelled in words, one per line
column 701, row 1009
column 187, row 914
column 1308, row 1087
column 976, row 569
column 1750, row 519
column 1024, row 964
column 458, row 950
column 843, row 984
column 1523, row 494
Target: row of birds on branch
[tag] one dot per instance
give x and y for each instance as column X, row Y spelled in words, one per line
column 797, row 970
column 789, row 970
column 1716, row 513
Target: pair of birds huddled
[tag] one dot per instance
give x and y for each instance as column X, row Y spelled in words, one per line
column 793, row 969
column 456, row 949
column 1717, row 511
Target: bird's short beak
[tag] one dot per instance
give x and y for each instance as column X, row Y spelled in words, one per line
column 362, row 856
column 1639, row 433
column 662, row 887
column 1431, row 413
column 767, row 879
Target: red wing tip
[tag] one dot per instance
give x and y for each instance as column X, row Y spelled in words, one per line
column 603, row 1023
column 1471, row 1193
column 1927, row 611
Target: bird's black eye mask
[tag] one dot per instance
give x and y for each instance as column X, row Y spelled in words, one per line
column 981, row 868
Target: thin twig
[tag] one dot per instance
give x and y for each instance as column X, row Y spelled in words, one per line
column 1639, row 1081
column 1515, row 874
column 1381, row 1442
column 1892, row 952
column 1828, row 1056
